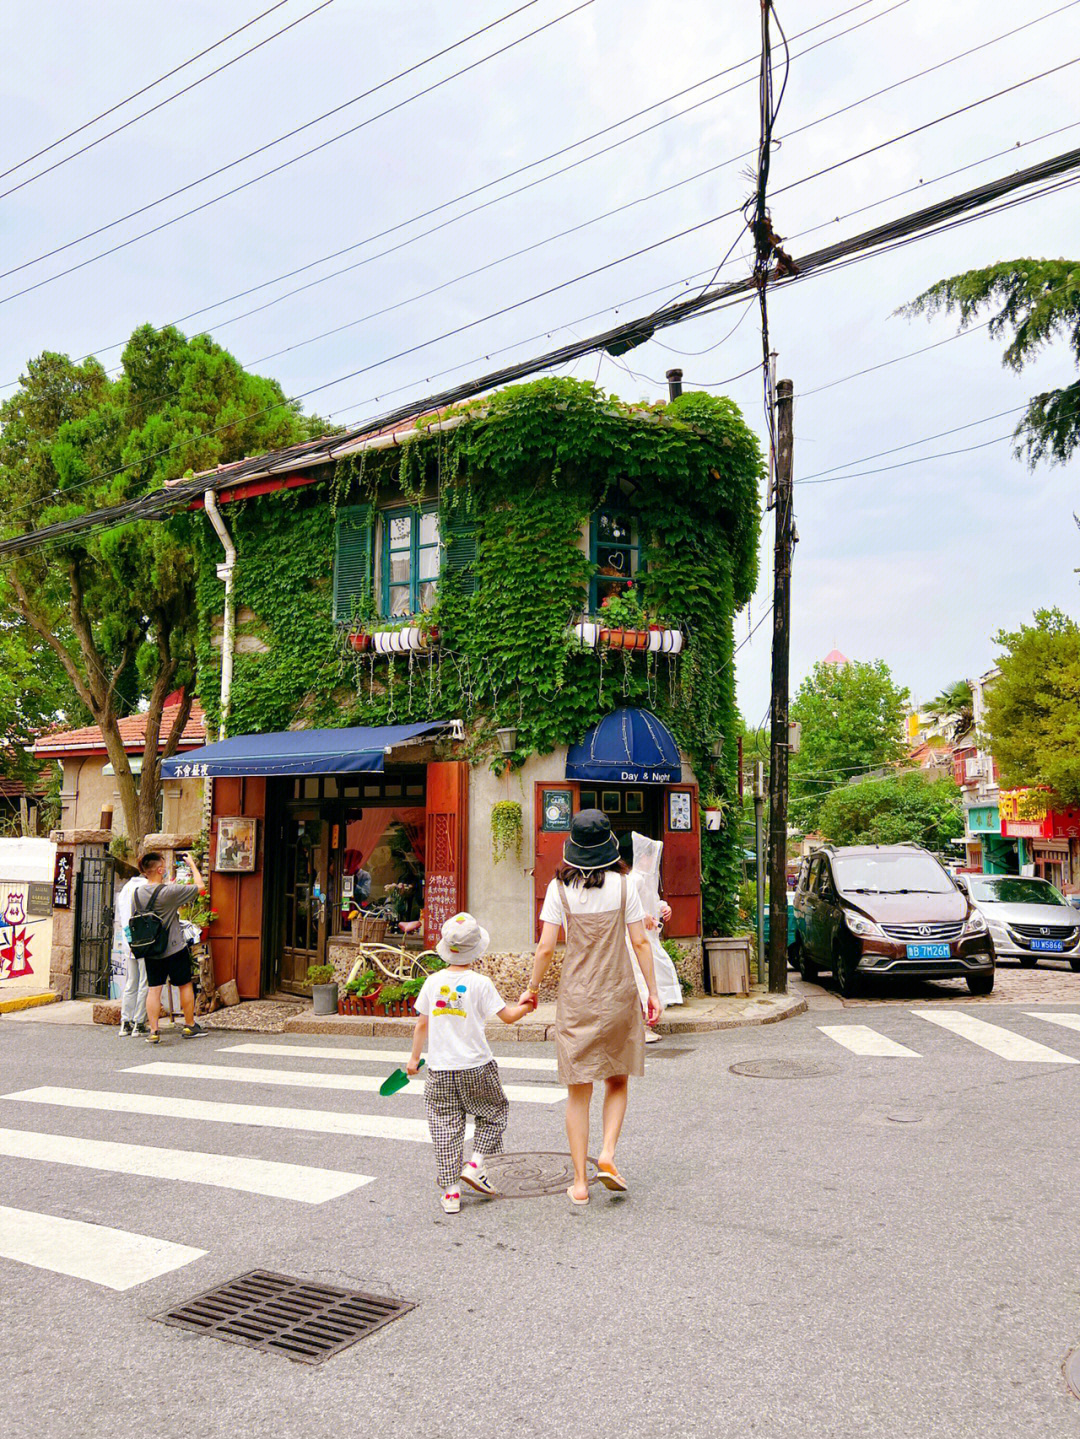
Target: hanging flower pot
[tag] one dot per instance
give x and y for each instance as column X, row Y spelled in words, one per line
column 612, row 638
column 656, row 639
column 360, row 641
column 671, row 642
column 639, row 639
column 588, row 633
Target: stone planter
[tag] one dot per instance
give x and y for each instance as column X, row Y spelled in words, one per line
column 324, row 998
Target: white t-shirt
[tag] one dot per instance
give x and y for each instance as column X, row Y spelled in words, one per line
column 458, row 1004
column 123, row 909
column 592, row 901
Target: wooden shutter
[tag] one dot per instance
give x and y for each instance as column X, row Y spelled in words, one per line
column 681, row 867
column 549, row 843
column 237, row 940
column 352, row 560
column 458, row 532
column 446, row 844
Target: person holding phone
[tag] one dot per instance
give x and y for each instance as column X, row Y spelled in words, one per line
column 174, row 966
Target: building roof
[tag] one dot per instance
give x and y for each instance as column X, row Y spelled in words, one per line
column 89, row 740
column 834, row 657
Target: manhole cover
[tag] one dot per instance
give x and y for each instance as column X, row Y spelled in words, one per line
column 1072, row 1373
column 282, row 1315
column 905, row 1116
column 783, row 1068
column 527, row 1176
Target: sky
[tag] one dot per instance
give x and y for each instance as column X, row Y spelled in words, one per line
column 919, row 566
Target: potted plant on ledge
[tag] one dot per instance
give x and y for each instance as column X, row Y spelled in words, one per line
column 323, row 989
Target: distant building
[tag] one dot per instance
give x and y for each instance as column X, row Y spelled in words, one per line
column 836, row 660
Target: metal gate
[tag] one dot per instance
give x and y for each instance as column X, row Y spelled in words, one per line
column 93, row 926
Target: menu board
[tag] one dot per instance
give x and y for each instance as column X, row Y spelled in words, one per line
column 440, row 903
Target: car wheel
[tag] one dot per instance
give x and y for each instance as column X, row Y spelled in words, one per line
column 807, row 968
column 981, row 983
column 844, row 972
column 1029, row 961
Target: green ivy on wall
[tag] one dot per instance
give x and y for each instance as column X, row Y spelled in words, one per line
column 526, row 467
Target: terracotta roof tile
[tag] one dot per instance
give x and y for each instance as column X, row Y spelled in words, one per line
column 132, row 731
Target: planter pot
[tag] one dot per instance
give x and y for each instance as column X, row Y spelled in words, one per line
column 587, row 633
column 409, row 640
column 612, row 638
column 368, row 1003
column 656, row 639
column 714, row 818
column 639, row 639
column 399, row 1009
column 673, row 642
column 324, row 998
column 360, row 642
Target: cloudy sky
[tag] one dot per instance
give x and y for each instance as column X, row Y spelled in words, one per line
column 918, row 565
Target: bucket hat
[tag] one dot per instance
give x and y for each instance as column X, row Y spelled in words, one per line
column 463, row 940
column 591, row 844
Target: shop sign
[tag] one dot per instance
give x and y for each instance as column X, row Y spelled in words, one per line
column 984, row 819
column 61, row 891
column 1026, row 814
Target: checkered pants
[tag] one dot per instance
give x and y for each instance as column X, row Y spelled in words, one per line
column 450, row 1095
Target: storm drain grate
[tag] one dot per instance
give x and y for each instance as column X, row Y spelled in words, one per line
column 281, row 1315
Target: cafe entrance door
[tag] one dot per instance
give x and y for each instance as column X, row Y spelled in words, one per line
column 304, row 910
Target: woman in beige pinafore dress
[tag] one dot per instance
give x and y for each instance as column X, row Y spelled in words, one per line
column 599, row 1031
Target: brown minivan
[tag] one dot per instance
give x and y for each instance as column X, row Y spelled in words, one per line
column 889, row 910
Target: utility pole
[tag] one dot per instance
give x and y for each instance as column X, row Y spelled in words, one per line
column 778, row 750
column 759, row 867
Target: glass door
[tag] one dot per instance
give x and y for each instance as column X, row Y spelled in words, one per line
column 304, row 908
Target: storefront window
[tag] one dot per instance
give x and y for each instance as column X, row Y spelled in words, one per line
column 411, row 557
column 615, row 548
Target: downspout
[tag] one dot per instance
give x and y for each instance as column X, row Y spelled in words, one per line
column 226, row 572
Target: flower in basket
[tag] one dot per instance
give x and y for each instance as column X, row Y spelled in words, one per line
column 621, row 610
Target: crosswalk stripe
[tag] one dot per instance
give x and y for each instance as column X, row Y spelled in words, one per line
column 264, row 1116
column 861, row 1039
column 372, row 1056
column 311, row 1079
column 307, row 1184
column 1067, row 1021
column 999, row 1041
column 114, row 1258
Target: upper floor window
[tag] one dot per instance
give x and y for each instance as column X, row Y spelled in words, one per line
column 615, row 548
column 410, row 560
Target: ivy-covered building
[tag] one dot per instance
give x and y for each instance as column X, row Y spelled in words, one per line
column 450, row 637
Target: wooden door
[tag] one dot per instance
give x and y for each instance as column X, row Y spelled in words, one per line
column 446, row 845
column 304, row 908
column 681, row 863
column 552, row 807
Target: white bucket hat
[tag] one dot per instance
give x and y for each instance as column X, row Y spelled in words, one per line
column 463, row 940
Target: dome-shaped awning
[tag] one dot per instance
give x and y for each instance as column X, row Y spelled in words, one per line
column 630, row 746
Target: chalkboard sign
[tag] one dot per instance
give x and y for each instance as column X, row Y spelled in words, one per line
column 61, row 889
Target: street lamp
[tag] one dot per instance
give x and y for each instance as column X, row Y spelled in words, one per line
column 717, row 748
column 507, row 739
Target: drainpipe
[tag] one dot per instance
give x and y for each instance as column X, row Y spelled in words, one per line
column 674, row 383
column 225, row 572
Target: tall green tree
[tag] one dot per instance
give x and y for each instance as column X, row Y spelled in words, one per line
column 1033, row 711
column 955, row 703
column 852, row 718
column 906, row 809
column 116, row 609
column 1034, row 302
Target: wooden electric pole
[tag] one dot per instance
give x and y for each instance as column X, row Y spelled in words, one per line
column 778, row 751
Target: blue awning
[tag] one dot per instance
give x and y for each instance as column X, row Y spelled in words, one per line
column 630, row 746
column 302, row 751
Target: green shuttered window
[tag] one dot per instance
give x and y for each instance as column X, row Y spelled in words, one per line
column 352, row 561
column 459, row 551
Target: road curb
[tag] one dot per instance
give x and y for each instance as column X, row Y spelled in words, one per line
column 27, row 1001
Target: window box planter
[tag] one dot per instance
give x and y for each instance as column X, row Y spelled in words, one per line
column 397, row 1009
column 360, row 641
column 409, row 640
column 589, row 634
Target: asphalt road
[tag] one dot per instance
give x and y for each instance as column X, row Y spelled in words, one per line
column 887, row 1249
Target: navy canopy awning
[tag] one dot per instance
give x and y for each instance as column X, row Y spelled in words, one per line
column 303, row 751
column 630, row 746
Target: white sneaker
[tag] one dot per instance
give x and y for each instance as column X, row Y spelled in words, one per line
column 451, row 1202
column 475, row 1178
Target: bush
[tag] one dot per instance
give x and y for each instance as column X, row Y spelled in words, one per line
column 320, row 974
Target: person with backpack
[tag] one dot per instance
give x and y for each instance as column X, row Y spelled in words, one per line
column 156, row 936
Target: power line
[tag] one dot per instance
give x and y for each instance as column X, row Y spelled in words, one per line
column 903, row 464
column 869, row 370
column 135, row 95
column 427, row 90
column 479, row 189
column 925, row 440
column 161, row 103
column 969, row 205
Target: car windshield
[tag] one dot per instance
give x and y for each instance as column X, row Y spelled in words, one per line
column 902, row 872
column 1012, row 889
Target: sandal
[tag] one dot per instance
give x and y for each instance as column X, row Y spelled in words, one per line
column 573, row 1198
column 611, row 1179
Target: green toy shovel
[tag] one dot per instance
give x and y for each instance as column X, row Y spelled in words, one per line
column 397, row 1081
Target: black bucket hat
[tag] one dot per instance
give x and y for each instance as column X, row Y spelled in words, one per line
column 591, row 844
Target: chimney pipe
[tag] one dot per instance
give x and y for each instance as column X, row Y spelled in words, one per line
column 674, row 383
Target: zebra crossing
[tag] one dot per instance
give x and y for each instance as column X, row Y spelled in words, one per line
column 120, row 1259
column 999, row 1038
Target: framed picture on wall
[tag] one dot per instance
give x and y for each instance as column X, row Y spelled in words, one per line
column 556, row 810
column 680, row 819
column 635, row 802
column 611, row 801
column 587, row 799
column 236, row 846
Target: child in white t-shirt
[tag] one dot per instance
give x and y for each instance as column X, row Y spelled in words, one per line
column 462, row 1075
